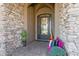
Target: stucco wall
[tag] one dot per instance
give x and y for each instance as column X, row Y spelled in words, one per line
column 31, row 24
column 58, row 15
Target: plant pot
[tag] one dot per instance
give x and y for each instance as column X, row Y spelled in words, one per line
column 24, row 43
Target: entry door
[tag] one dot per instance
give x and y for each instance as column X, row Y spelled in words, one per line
column 43, row 27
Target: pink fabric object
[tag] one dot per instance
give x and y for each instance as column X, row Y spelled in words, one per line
column 49, row 48
column 59, row 42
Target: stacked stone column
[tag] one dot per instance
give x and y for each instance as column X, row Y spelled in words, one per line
column 2, row 31
column 70, row 35
column 11, row 25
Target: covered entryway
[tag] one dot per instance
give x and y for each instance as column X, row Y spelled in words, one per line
column 40, row 21
column 40, row 24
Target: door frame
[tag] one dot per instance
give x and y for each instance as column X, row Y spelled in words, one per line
column 50, row 15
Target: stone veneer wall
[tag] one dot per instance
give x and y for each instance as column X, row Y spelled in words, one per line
column 69, row 27
column 11, row 25
column 2, row 31
column 14, row 25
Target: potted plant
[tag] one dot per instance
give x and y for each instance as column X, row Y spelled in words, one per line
column 24, row 37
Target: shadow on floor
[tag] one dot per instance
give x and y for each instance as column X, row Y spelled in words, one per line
column 36, row 48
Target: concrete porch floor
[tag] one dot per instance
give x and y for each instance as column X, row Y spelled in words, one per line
column 36, row 48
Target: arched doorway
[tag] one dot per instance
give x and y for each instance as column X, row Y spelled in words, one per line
column 44, row 19
column 38, row 14
column 43, row 27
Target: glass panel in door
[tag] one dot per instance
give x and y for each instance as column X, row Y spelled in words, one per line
column 43, row 28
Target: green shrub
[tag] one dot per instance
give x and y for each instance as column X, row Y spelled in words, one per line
column 24, row 35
